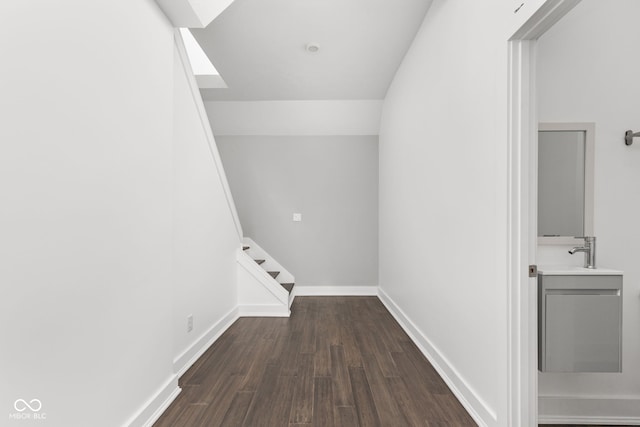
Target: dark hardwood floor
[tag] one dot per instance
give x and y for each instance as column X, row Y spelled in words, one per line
column 337, row 361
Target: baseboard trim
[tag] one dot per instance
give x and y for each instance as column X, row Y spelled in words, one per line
column 197, row 349
column 263, row 311
column 308, row 291
column 607, row 410
column 477, row 408
column 613, row 421
column 154, row 407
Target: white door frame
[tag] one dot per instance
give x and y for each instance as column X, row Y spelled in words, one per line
column 522, row 215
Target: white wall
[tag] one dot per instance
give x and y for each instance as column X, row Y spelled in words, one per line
column 334, row 117
column 110, row 231
column 332, row 181
column 315, row 157
column 588, row 72
column 443, row 206
column 205, row 237
column 86, row 222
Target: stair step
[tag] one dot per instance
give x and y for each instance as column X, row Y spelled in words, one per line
column 287, row 286
column 259, row 261
column 273, row 274
column 244, row 248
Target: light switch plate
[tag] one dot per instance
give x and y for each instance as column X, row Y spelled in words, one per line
column 297, row 217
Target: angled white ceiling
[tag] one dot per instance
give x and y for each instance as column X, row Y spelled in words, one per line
column 192, row 13
column 258, row 46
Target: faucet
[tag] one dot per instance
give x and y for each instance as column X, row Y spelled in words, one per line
column 589, row 250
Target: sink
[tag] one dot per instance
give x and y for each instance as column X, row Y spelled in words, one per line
column 572, row 270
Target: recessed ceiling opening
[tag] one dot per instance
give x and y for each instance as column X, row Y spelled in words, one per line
column 199, row 60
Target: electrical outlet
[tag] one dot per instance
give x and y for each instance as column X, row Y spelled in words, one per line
column 190, row 323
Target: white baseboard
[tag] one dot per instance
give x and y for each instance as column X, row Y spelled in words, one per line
column 308, row 291
column 154, row 407
column 607, row 410
column 477, row 408
column 197, row 349
column 263, row 311
column 609, row 421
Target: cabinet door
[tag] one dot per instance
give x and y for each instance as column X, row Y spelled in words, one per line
column 583, row 333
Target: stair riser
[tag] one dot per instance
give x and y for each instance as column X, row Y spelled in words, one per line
column 256, row 252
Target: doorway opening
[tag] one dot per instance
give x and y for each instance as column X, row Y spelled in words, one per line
column 522, row 232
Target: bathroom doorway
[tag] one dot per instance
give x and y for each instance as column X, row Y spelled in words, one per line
column 523, row 127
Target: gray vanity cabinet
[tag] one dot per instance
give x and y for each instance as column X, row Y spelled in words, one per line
column 579, row 323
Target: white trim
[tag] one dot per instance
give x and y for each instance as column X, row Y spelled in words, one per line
column 619, row 421
column 154, row 407
column 263, row 311
column 522, row 375
column 307, row 291
column 477, row 408
column 592, row 397
column 522, row 328
column 621, row 410
column 206, row 126
column 189, row 356
column 544, row 18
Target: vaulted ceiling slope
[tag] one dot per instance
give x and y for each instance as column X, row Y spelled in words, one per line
column 259, row 47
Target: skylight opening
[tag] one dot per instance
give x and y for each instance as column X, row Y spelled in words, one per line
column 199, row 60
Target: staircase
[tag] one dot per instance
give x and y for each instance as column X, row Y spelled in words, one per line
column 265, row 288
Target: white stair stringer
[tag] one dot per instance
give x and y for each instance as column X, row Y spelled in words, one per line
column 270, row 264
column 259, row 295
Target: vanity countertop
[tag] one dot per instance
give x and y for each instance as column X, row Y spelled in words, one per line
column 570, row 270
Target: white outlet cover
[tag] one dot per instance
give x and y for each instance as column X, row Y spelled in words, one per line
column 297, row 217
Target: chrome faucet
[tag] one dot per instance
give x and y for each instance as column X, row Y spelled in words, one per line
column 589, row 250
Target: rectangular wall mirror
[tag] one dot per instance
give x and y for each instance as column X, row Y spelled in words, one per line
column 565, row 181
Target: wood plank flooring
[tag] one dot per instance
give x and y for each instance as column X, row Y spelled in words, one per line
column 337, row 361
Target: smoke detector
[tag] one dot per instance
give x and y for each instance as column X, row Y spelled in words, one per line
column 313, row 47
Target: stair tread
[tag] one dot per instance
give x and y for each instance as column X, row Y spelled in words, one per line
column 273, row 274
column 259, row 261
column 244, row 248
column 287, row 286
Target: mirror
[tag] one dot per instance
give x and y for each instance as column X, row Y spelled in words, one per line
column 565, row 181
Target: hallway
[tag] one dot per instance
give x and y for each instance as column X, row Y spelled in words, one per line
column 340, row 361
